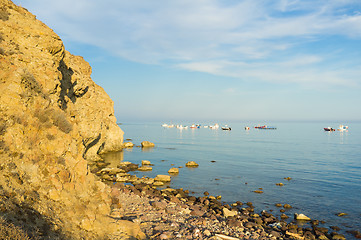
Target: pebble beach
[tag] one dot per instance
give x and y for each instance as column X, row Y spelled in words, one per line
column 167, row 213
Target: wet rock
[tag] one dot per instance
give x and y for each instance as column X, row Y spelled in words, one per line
column 287, row 178
column 258, row 191
column 335, row 228
column 162, row 178
column 146, row 163
column 278, row 205
column 338, row 236
column 158, row 183
column 280, row 184
column 301, row 217
column 147, row 144
column 341, row 214
column 145, row 168
column 287, row 206
column 173, row 171
column 309, row 235
column 128, row 145
column 284, row 216
column 355, row 233
column 191, row 164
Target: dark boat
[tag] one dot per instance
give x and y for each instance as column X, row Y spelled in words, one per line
column 226, row 128
column 329, row 129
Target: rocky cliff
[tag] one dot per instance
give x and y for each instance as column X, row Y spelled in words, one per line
column 53, row 118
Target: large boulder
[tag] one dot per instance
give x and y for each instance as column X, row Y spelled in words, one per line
column 147, row 144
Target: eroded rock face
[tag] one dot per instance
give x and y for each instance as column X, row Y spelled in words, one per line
column 52, row 118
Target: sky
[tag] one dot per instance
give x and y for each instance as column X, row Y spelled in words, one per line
column 214, row 60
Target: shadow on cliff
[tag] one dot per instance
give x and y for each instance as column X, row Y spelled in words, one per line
column 67, row 86
column 22, row 219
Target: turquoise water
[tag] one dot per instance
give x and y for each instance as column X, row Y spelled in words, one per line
column 325, row 167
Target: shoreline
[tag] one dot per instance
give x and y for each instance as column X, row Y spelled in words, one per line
column 174, row 213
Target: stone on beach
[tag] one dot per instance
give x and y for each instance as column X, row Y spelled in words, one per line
column 287, row 206
column 162, row 178
column 146, row 144
column 128, row 145
column 145, row 168
column 302, row 217
column 191, row 164
column 158, row 183
column 229, row 213
column 173, row 171
column 110, row 171
column 146, row 162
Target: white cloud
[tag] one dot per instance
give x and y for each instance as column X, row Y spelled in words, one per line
column 245, row 39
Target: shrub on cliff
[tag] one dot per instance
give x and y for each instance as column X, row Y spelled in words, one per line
column 2, row 126
column 29, row 82
column 4, row 15
column 57, row 116
column 9, row 231
column 59, row 120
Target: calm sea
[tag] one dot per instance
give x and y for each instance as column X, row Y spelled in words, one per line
column 325, row 167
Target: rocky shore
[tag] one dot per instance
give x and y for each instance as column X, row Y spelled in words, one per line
column 175, row 214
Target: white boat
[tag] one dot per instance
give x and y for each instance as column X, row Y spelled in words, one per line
column 342, row 128
column 215, row 126
column 181, row 127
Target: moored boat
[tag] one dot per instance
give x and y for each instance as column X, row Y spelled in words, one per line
column 329, row 129
column 215, row 126
column 264, row 127
column 226, row 128
column 342, row 128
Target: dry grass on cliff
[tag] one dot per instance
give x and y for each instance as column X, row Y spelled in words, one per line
column 57, row 117
column 4, row 15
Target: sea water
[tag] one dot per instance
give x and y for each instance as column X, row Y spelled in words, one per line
column 324, row 167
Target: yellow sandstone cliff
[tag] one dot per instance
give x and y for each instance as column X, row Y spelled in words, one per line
column 53, row 118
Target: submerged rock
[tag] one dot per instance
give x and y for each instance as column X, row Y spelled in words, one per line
column 191, row 164
column 146, row 162
column 146, row 144
column 173, row 171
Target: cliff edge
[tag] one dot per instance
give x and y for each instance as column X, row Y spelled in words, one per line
column 53, row 119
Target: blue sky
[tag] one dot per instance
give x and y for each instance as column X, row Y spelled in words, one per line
column 217, row 60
